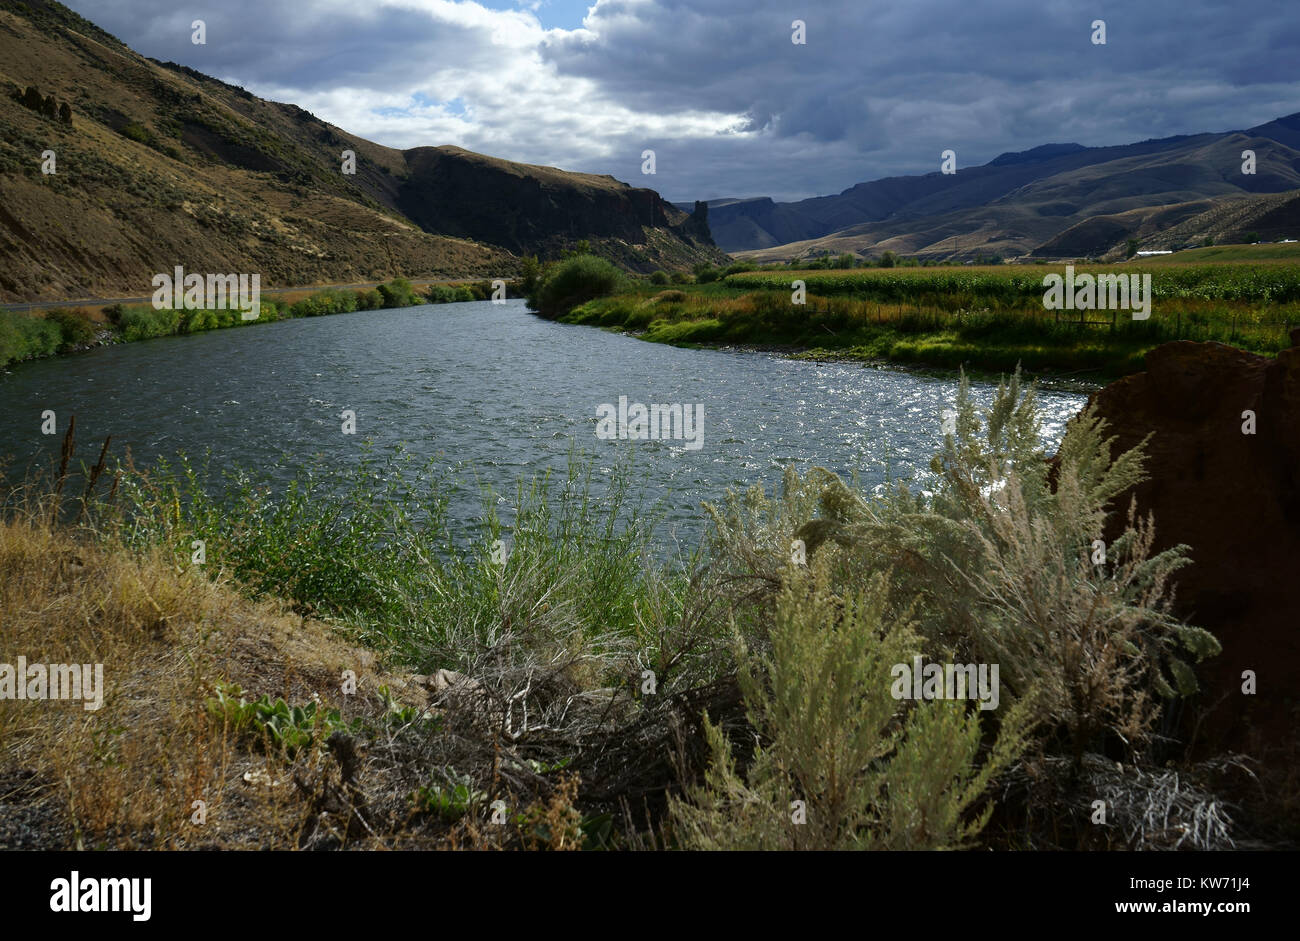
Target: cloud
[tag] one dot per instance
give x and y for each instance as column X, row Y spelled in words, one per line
column 731, row 106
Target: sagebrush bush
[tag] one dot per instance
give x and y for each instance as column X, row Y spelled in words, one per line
column 1000, row 564
column 842, row 764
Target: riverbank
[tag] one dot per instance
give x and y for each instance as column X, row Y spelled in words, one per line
column 27, row 335
column 985, row 319
column 542, row 678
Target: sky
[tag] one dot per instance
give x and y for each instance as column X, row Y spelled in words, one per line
column 729, row 105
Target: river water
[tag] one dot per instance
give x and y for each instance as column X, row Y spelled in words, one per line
column 484, row 386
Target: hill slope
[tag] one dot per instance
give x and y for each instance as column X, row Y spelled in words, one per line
column 1019, row 201
column 164, row 166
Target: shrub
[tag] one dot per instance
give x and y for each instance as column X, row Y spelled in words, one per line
column 24, row 337
column 77, row 329
column 270, row 309
column 1096, row 638
column 660, row 277
column 999, row 565
column 369, row 299
column 574, row 282
column 138, row 133
column 832, row 738
column 325, row 302
column 530, row 270
column 398, row 293
column 143, row 322
column 450, row 293
column 338, row 302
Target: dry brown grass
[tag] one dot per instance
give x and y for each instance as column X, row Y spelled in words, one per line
column 127, row 775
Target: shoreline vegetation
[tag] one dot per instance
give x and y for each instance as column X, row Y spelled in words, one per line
column 987, row 319
column 26, row 335
column 337, row 664
column 557, row 680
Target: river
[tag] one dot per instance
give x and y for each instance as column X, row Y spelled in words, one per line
column 487, row 386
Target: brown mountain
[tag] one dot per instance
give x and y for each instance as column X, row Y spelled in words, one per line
column 1020, row 202
column 161, row 166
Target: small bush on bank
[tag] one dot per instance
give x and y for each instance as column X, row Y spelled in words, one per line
column 26, row 337
column 574, row 282
column 450, row 293
column 398, row 293
column 77, row 329
column 369, row 299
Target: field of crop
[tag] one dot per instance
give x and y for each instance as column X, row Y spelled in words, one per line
column 1273, row 252
column 1015, row 284
column 986, row 318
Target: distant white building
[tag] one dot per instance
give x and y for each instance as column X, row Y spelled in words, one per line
column 1161, row 252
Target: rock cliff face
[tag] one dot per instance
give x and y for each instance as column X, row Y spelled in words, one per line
column 541, row 210
column 1234, row 497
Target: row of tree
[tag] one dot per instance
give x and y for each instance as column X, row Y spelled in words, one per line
column 48, row 106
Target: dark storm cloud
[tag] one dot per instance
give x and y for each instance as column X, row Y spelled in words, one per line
column 899, row 80
column 728, row 103
column 311, row 44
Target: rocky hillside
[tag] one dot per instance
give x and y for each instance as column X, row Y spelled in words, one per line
column 156, row 165
column 1239, row 219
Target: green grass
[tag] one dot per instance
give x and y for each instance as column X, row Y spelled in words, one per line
column 373, row 547
column 988, row 319
column 26, row 336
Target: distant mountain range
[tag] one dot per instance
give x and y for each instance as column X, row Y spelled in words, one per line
column 163, row 166
column 1057, row 200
